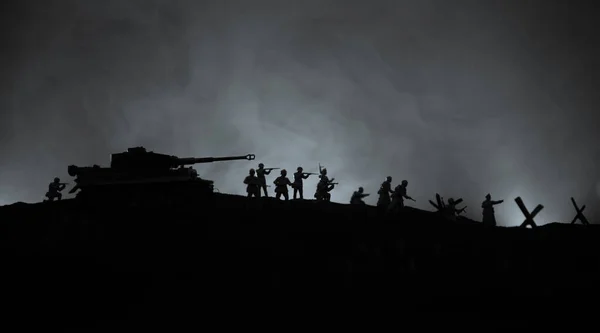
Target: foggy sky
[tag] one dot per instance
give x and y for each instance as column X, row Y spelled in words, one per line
column 458, row 97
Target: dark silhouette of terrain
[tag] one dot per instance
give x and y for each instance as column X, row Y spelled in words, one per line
column 235, row 261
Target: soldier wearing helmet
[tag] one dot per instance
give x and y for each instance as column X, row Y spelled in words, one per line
column 281, row 185
column 398, row 197
column 298, row 184
column 261, row 172
column 54, row 190
column 324, row 186
column 385, row 190
column 252, row 184
column 357, row 197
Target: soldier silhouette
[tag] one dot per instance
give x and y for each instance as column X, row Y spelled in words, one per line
column 54, row 190
column 357, row 197
column 324, row 186
column 298, row 184
column 489, row 217
column 281, row 185
column 398, row 197
column 261, row 172
column 252, row 184
column 384, row 193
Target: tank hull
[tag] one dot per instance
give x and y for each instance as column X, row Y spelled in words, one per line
column 157, row 192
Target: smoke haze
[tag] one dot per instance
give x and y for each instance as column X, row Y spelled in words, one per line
column 461, row 98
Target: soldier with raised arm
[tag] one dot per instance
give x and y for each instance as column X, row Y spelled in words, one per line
column 357, row 197
column 489, row 217
column 298, row 184
column 385, row 190
column 281, row 185
column 398, row 197
column 54, row 190
column 252, row 184
column 324, row 186
column 261, row 172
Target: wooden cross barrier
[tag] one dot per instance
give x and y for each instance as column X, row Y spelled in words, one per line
column 579, row 215
column 528, row 216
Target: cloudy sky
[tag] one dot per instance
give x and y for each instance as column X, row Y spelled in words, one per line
column 458, row 97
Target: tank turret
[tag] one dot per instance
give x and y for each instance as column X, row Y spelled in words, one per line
column 139, row 173
column 139, row 158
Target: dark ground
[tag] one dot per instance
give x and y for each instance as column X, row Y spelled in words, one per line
column 238, row 263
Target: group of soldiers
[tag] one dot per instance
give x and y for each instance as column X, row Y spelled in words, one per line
column 390, row 200
column 256, row 183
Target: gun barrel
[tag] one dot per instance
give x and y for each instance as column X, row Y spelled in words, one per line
column 198, row 160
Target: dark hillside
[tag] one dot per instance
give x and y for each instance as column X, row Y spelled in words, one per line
column 84, row 266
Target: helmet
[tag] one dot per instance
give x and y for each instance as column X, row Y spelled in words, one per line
column 260, row 165
column 389, row 178
column 57, row 180
column 252, row 172
column 283, row 172
column 299, row 169
column 405, row 182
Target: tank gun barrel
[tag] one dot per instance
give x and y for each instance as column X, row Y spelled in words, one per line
column 199, row 160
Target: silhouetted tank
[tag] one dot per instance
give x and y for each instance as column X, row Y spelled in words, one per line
column 138, row 173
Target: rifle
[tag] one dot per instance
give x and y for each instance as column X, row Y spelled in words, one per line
column 309, row 173
column 271, row 169
column 333, row 183
column 63, row 183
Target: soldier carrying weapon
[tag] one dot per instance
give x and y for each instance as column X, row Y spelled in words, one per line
column 54, row 190
column 398, row 197
column 298, row 184
column 324, row 186
column 281, row 186
column 489, row 217
column 252, row 184
column 261, row 172
column 357, row 197
column 384, row 193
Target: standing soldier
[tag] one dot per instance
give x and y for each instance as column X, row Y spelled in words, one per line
column 261, row 172
column 298, row 184
column 281, row 186
column 252, row 184
column 357, row 197
column 384, row 193
column 54, row 190
column 489, row 217
column 398, row 197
